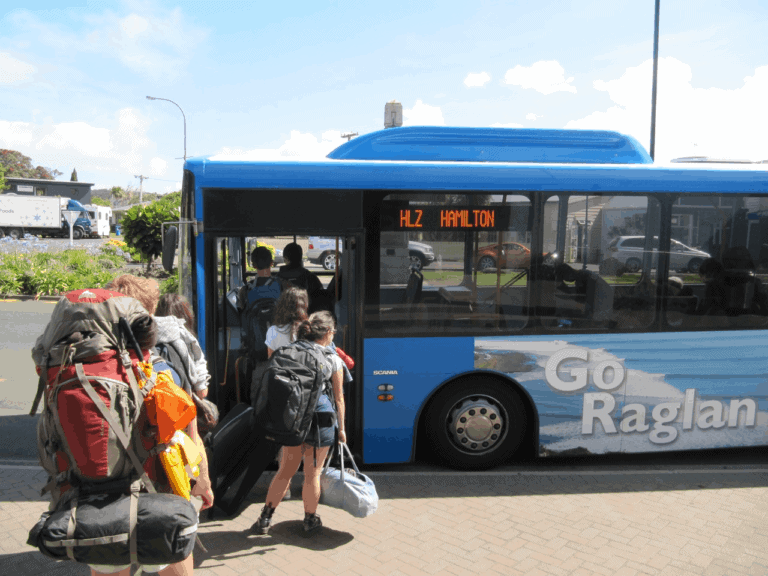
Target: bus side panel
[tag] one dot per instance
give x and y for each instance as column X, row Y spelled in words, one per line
column 414, row 367
column 640, row 392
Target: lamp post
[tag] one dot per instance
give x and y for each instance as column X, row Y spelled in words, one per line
column 182, row 115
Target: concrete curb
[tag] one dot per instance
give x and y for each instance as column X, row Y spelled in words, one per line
column 29, row 297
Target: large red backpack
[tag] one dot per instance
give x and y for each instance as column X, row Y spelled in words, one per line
column 90, row 430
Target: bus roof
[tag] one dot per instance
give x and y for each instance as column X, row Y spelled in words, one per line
column 351, row 166
column 449, row 144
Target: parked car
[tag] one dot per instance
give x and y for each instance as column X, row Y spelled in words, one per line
column 321, row 251
column 629, row 250
column 513, row 255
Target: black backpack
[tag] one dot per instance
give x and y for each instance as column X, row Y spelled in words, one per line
column 257, row 320
column 285, row 398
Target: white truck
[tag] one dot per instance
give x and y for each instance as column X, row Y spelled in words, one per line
column 41, row 216
column 100, row 217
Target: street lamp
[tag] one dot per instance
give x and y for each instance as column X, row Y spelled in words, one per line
column 182, row 115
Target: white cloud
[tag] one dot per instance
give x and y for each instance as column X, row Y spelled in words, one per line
column 423, row 115
column 158, row 166
column 13, row 71
column 545, row 76
column 689, row 121
column 150, row 41
column 158, row 44
column 507, row 125
column 85, row 139
column 533, row 116
column 118, row 148
column 299, row 146
column 480, row 79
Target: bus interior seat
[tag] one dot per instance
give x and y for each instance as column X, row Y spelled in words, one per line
column 739, row 291
column 412, row 294
column 599, row 301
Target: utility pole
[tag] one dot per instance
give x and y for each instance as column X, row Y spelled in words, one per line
column 349, row 136
column 141, row 186
column 655, row 77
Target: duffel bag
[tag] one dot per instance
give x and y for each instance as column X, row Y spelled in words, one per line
column 166, row 527
column 348, row 489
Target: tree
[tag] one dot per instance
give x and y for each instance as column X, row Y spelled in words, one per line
column 73, row 178
column 19, row 166
column 100, row 201
column 3, row 184
column 142, row 226
column 117, row 193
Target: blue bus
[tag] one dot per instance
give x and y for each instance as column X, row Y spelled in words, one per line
column 581, row 300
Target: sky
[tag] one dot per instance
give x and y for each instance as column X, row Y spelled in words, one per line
column 285, row 80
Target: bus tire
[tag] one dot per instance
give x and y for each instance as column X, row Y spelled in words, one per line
column 476, row 423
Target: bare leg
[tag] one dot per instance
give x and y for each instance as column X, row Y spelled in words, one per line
column 125, row 572
column 184, row 568
column 310, row 493
column 290, row 460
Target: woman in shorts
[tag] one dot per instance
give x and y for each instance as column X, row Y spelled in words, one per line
column 318, row 329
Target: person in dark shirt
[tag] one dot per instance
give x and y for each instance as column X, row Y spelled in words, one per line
column 294, row 273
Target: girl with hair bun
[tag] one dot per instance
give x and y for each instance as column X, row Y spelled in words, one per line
column 318, row 329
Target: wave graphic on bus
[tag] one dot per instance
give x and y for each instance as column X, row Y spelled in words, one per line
column 596, row 396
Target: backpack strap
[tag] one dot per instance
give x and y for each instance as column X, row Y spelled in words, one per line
column 115, row 426
column 41, row 383
column 133, row 516
column 71, row 528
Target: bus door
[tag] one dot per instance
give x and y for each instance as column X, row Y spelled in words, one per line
column 344, row 287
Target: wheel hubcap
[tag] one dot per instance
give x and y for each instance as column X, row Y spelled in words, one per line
column 477, row 424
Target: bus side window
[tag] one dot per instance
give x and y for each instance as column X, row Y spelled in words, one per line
column 604, row 276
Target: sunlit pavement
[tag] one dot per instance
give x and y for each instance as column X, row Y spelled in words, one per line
column 694, row 521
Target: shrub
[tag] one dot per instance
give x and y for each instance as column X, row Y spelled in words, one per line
column 171, row 284
column 142, row 227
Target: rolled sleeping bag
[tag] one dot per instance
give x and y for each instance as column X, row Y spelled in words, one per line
column 166, row 530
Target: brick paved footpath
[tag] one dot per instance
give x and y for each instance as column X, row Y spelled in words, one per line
column 691, row 522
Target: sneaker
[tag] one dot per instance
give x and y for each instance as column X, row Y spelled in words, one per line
column 312, row 522
column 262, row 524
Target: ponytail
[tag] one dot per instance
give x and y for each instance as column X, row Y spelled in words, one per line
column 316, row 326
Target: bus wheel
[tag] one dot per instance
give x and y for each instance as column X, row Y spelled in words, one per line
column 476, row 425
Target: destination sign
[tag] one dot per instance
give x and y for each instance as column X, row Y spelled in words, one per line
column 469, row 218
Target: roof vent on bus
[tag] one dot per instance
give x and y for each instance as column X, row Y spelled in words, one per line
column 393, row 114
column 707, row 160
column 450, row 144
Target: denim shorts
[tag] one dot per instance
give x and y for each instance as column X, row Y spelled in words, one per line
column 322, row 432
